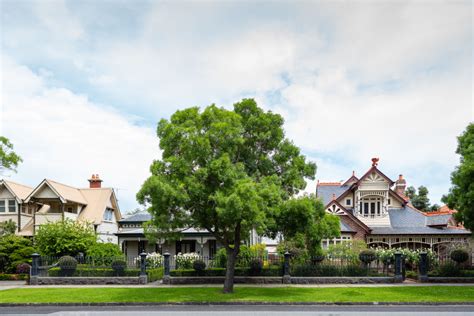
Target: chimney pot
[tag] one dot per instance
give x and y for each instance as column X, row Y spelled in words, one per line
column 95, row 182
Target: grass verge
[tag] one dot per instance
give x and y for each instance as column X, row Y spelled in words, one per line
column 241, row 294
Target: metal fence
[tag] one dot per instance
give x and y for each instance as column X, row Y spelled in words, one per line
column 84, row 266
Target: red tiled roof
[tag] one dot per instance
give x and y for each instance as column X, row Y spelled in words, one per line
column 329, row 183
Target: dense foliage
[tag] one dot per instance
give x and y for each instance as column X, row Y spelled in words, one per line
column 420, row 199
column 103, row 253
column 7, row 228
column 9, row 160
column 461, row 194
column 14, row 250
column 230, row 172
column 64, row 238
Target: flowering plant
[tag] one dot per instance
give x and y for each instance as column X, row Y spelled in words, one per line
column 185, row 260
column 153, row 260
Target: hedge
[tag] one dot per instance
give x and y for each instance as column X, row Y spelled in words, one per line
column 328, row 270
column 13, row 277
column 153, row 274
column 451, row 270
column 271, row 271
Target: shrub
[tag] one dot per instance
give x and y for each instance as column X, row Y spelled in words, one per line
column 448, row 270
column 186, row 260
column 220, row 258
column 459, row 255
column 68, row 265
column 347, row 251
column 14, row 250
column 367, row 256
column 13, row 277
column 411, row 274
column 119, row 266
column 212, row 272
column 23, row 268
column 103, row 253
column 153, row 260
column 64, row 238
column 328, row 270
column 199, row 266
column 256, row 266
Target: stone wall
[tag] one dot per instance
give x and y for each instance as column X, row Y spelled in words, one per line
column 280, row 280
column 86, row 280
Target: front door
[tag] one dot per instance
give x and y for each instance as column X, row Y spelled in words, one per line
column 186, row 246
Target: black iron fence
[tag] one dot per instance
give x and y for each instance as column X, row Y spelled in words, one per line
column 85, row 266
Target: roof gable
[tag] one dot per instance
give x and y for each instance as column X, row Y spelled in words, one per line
column 98, row 200
column 375, row 175
column 19, row 191
column 335, row 208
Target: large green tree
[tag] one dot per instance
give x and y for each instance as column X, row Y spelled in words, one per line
column 461, row 194
column 9, row 160
column 228, row 172
column 420, row 199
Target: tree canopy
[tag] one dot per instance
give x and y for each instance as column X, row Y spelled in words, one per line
column 230, row 172
column 64, row 238
column 461, row 194
column 420, row 199
column 9, row 160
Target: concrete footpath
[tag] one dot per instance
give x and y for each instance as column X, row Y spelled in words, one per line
column 6, row 285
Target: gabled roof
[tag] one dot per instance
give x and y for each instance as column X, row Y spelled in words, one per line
column 348, row 214
column 64, row 192
column 352, row 179
column 20, row 191
column 97, row 200
column 376, row 170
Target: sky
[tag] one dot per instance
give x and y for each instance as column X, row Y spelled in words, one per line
column 84, row 83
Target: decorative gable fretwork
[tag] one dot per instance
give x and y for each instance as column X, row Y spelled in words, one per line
column 374, row 177
column 335, row 209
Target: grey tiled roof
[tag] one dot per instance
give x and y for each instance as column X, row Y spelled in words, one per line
column 385, row 230
column 438, row 219
column 138, row 217
column 406, row 217
column 325, row 192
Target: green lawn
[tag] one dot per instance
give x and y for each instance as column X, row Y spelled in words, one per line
column 242, row 294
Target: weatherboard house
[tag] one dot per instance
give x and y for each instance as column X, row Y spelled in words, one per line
column 374, row 208
column 51, row 201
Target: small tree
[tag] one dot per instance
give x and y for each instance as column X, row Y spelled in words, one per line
column 228, row 172
column 420, row 200
column 461, row 194
column 9, row 160
column 64, row 238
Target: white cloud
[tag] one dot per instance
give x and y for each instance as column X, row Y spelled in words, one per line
column 353, row 80
column 66, row 137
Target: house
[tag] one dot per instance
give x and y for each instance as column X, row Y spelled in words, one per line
column 51, row 201
column 132, row 239
column 375, row 209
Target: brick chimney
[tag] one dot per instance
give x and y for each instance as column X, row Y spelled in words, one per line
column 400, row 185
column 95, row 182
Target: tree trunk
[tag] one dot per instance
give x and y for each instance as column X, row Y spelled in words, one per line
column 230, row 271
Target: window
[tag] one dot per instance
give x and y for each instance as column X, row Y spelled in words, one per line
column 348, row 201
column 371, row 207
column 2, row 206
column 12, row 206
column 389, row 202
column 108, row 214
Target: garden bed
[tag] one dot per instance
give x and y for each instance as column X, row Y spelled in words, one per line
column 85, row 280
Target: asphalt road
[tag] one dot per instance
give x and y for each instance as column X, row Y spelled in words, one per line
column 242, row 310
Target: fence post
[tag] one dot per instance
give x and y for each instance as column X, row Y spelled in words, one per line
column 166, row 274
column 34, row 269
column 423, row 267
column 143, row 279
column 398, row 267
column 286, row 269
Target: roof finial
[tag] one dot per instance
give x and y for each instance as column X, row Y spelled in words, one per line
column 333, row 196
column 375, row 162
column 353, row 173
